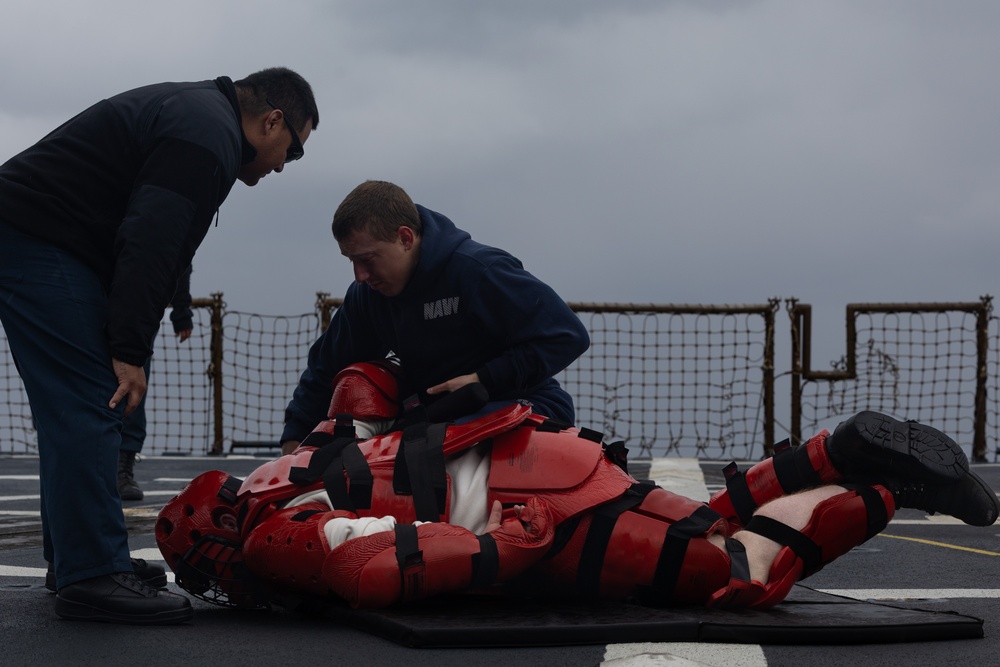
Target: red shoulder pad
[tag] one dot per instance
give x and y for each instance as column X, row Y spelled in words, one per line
column 366, row 390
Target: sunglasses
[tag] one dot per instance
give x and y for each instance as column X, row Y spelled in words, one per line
column 295, row 151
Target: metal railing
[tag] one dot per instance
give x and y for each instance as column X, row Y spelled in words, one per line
column 669, row 380
column 924, row 368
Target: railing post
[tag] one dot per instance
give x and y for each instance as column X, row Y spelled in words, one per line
column 768, row 377
column 324, row 305
column 795, row 315
column 982, row 350
column 215, row 371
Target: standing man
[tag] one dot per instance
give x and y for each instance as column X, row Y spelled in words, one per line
column 454, row 311
column 98, row 221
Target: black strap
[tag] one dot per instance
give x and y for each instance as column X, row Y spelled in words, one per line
column 617, row 453
column 878, row 516
column 675, row 544
column 563, row 534
column 414, row 411
column 739, row 493
column 808, row 477
column 486, row 563
column 335, row 483
column 794, row 470
column 419, row 469
column 360, row 475
column 408, row 551
column 343, row 427
column 602, row 525
column 591, row 434
column 786, row 471
column 552, row 426
column 810, row 552
column 229, row 489
column 329, row 462
column 321, row 459
column 410, row 559
column 241, row 515
column 739, row 565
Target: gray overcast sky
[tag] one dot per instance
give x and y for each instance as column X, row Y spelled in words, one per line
column 630, row 151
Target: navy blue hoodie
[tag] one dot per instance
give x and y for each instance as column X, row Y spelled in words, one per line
column 467, row 308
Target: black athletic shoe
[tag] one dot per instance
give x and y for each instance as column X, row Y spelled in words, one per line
column 873, row 447
column 121, row 598
column 151, row 574
column 969, row 499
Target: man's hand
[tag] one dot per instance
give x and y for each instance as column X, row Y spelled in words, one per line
column 453, row 384
column 184, row 335
column 496, row 516
column 131, row 385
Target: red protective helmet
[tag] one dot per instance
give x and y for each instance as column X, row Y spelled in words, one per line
column 198, row 534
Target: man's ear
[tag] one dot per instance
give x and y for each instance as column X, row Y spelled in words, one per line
column 407, row 236
column 261, row 125
column 272, row 122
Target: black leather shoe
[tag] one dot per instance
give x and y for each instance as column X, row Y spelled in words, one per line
column 969, row 499
column 152, row 574
column 873, row 447
column 121, row 598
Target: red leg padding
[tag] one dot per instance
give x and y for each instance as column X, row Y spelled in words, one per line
column 788, row 471
column 632, row 553
column 838, row 524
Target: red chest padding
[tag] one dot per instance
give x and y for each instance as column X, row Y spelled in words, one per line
column 567, row 469
column 529, row 459
column 272, row 482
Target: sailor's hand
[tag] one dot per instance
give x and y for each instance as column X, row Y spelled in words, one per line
column 131, row 385
column 453, row 384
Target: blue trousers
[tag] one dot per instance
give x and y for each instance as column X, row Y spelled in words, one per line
column 53, row 309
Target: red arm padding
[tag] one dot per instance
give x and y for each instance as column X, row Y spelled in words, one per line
column 365, row 571
column 289, row 553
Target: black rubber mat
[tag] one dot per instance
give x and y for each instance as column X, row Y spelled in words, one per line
column 805, row 617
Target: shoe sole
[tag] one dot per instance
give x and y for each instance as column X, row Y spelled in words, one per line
column 914, row 450
column 158, row 582
column 77, row 611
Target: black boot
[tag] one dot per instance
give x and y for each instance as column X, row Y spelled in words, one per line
column 127, row 488
column 969, row 499
column 152, row 574
column 121, row 598
column 872, row 447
